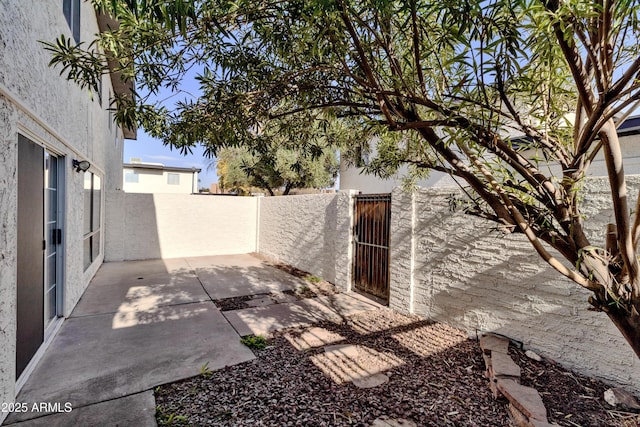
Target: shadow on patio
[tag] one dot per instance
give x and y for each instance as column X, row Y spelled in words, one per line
column 140, row 324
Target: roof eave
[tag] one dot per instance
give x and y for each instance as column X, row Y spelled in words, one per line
column 120, row 86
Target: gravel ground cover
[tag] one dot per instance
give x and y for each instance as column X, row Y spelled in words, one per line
column 436, row 378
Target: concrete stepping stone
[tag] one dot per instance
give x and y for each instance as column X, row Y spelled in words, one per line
column 347, row 350
column 538, row 423
column 371, row 381
column 520, row 420
column 491, row 342
column 312, row 338
column 348, row 363
column 526, row 399
column 503, row 365
column 385, row 421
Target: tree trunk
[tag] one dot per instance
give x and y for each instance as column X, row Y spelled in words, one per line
column 629, row 325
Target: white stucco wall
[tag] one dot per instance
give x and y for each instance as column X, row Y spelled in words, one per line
column 40, row 104
column 469, row 275
column 310, row 232
column 8, row 250
column 156, row 181
column 353, row 178
column 178, row 225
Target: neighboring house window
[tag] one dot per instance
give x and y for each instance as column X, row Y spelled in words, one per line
column 131, row 176
column 173, row 179
column 71, row 10
column 91, row 230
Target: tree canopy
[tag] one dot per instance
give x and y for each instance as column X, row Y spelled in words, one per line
column 280, row 169
column 443, row 85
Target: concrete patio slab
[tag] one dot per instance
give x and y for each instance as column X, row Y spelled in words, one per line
column 264, row 320
column 259, row 302
column 102, row 357
column 131, row 270
column 141, row 294
column 134, row 410
column 281, row 297
column 145, row 323
column 242, row 260
column 239, row 275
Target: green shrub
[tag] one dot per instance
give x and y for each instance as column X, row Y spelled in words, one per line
column 255, row 342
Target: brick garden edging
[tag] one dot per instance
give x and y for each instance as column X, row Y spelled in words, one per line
column 526, row 408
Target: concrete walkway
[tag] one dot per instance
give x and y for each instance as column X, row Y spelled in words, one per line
column 264, row 320
column 145, row 323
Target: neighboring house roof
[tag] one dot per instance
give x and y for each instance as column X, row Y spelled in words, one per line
column 631, row 126
column 159, row 167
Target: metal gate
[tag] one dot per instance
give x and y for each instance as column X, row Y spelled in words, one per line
column 371, row 241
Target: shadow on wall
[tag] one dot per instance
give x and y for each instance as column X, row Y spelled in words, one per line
column 330, row 240
column 302, row 231
column 479, row 279
column 141, row 238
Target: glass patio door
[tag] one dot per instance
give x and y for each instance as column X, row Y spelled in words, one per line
column 53, row 192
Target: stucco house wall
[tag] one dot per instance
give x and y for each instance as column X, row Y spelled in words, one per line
column 36, row 102
column 459, row 269
column 354, row 178
column 143, row 178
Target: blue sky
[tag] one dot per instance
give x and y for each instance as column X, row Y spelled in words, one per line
column 151, row 150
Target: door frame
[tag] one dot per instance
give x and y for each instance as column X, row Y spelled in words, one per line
column 61, row 164
column 50, row 328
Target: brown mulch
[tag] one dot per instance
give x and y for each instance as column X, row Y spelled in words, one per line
column 288, row 269
column 570, row 398
column 439, row 382
column 233, row 303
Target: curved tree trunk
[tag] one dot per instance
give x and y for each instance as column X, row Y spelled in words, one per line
column 287, row 189
column 628, row 325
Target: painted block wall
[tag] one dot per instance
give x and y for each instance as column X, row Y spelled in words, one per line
column 310, row 232
column 40, row 104
column 461, row 270
column 147, row 226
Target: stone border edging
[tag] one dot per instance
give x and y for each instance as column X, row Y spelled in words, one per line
column 526, row 408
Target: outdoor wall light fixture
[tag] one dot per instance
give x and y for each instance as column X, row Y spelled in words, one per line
column 81, row 166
